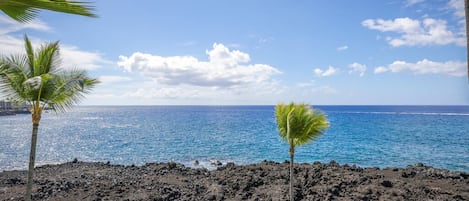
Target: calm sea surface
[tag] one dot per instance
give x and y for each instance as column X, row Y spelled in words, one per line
column 364, row 135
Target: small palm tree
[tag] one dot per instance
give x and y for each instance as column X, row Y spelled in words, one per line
column 298, row 124
column 35, row 78
column 26, row 10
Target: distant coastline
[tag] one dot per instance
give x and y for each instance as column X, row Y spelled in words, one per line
column 10, row 108
column 13, row 112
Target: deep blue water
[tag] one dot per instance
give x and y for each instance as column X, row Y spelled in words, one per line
column 377, row 136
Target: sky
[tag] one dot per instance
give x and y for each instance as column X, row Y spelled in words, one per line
column 245, row 52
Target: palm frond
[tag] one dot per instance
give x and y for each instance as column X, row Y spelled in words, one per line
column 30, row 54
column 47, row 59
column 315, row 124
column 281, row 113
column 17, row 12
column 64, row 6
column 26, row 10
column 304, row 123
column 12, row 75
column 67, row 89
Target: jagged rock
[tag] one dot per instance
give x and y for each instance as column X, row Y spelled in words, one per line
column 386, row 183
column 263, row 181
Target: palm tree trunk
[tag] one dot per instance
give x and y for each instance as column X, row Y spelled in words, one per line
column 32, row 157
column 292, row 154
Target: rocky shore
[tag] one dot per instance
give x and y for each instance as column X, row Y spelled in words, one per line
column 263, row 181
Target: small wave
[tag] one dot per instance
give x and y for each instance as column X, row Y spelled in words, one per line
column 91, row 118
column 208, row 164
column 346, row 112
column 113, row 125
column 412, row 113
column 435, row 113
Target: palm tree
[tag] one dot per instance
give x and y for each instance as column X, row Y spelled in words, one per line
column 36, row 79
column 298, row 124
column 26, row 10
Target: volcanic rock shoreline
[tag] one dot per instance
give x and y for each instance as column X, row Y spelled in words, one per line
column 262, row 181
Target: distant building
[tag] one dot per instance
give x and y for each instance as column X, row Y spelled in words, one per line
column 9, row 106
column 5, row 105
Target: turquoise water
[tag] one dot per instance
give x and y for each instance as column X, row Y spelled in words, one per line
column 377, row 136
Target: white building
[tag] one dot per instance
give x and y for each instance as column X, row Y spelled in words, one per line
column 5, row 105
column 9, row 106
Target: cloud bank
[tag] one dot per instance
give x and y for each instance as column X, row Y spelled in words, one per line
column 425, row 66
column 425, row 32
column 225, row 68
column 413, row 32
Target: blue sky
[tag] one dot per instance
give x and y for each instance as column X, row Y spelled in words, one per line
column 323, row 52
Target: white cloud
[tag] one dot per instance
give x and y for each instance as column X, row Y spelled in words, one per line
column 458, row 7
column 150, row 92
column 224, row 69
column 108, row 79
column 226, row 77
column 167, row 92
column 452, row 68
column 412, row 2
column 8, row 25
column 305, row 84
column 381, row 69
column 359, row 68
column 342, row 48
column 403, row 25
column 412, row 32
column 71, row 56
column 324, row 73
column 11, row 45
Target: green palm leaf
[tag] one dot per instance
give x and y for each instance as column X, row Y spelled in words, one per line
column 305, row 124
column 26, row 10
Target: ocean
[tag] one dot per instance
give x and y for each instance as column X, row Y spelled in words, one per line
column 368, row 136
